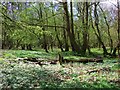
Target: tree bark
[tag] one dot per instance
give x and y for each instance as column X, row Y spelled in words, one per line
column 85, row 31
column 59, row 42
column 118, row 3
column 118, row 31
column 66, row 41
column 73, row 43
column 65, row 36
column 72, row 24
column 108, row 27
column 98, row 31
column 44, row 41
column 44, row 36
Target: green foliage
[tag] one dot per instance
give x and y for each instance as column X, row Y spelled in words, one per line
column 28, row 35
column 18, row 74
column 33, row 76
column 116, row 67
column 27, row 53
column 23, row 76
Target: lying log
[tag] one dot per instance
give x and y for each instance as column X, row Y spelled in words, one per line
column 105, row 69
column 42, row 63
column 92, row 71
column 54, row 62
column 28, row 59
column 86, row 60
column 31, row 59
column 61, row 60
column 38, row 61
column 83, row 60
column 117, row 81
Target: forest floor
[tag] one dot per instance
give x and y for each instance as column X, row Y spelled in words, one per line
column 92, row 75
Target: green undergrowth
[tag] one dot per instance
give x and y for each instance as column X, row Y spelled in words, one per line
column 27, row 53
column 52, row 55
column 39, row 54
column 18, row 74
column 22, row 75
column 25, row 75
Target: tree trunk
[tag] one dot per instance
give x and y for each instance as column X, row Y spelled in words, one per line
column 65, row 36
column 44, row 41
column 29, row 47
column 118, row 3
column 98, row 31
column 66, row 41
column 44, row 36
column 108, row 27
column 73, row 43
column 60, row 43
column 22, row 46
column 85, row 31
column 4, row 27
column 118, row 44
column 72, row 24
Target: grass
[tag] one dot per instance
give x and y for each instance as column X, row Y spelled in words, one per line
column 18, row 74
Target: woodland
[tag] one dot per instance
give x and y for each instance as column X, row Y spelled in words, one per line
column 60, row 44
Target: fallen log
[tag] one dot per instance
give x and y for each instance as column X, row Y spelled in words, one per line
column 86, row 60
column 54, row 62
column 39, row 61
column 61, row 60
column 99, row 70
column 83, row 60
column 31, row 59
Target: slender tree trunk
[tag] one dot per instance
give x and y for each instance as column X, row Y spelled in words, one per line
column 44, row 41
column 66, row 41
column 85, row 31
column 29, row 47
column 114, row 52
column 47, row 43
column 51, row 46
column 4, row 27
column 65, row 36
column 78, row 37
column 44, row 36
column 118, row 3
column 23, row 46
column 73, row 43
column 118, row 44
column 98, row 31
column 72, row 24
column 60, row 43
column 17, row 43
column 108, row 27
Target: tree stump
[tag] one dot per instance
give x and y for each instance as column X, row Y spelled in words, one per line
column 60, row 59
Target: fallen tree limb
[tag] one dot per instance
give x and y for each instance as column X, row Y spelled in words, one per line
column 61, row 60
column 105, row 69
column 84, row 60
column 97, row 59
column 39, row 61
